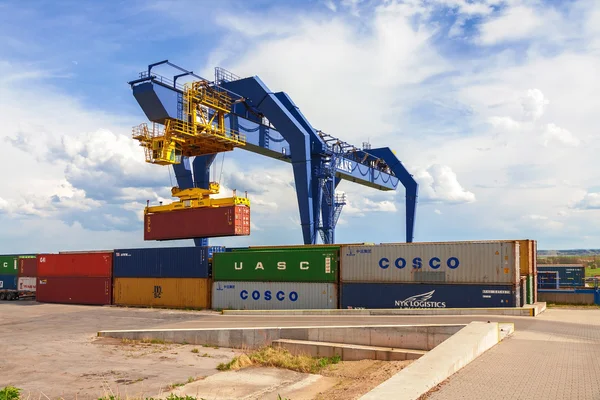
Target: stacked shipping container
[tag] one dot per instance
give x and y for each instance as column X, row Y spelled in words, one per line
column 27, row 275
column 175, row 277
column 431, row 275
column 8, row 274
column 75, row 278
column 276, row 278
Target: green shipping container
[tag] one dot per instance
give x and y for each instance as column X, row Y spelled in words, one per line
column 529, row 289
column 290, row 248
column 283, row 265
column 9, row 265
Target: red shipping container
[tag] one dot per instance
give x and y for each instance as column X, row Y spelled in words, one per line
column 74, row 290
column 27, row 266
column 197, row 222
column 74, row 265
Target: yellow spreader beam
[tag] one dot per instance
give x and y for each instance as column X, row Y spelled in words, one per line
column 195, row 198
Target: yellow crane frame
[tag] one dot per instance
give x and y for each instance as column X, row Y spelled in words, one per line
column 201, row 131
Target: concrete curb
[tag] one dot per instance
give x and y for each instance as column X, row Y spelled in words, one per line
column 440, row 363
column 530, row 310
column 416, row 337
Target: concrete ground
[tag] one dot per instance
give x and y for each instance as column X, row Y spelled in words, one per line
column 52, row 348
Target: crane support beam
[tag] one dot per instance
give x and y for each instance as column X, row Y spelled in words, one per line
column 159, row 103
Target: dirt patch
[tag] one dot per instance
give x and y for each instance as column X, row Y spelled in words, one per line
column 355, row 378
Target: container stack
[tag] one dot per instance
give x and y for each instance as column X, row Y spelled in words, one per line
column 431, row 275
column 276, row 278
column 27, row 276
column 75, row 278
column 8, row 273
column 174, row 277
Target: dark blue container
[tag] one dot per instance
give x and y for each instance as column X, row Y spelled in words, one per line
column 8, row 282
column 568, row 275
column 547, row 280
column 163, row 262
column 414, row 295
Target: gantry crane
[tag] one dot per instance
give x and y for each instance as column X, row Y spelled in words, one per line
column 203, row 118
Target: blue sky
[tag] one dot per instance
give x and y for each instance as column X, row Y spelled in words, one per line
column 491, row 105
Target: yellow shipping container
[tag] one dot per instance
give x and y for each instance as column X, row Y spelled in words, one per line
column 527, row 256
column 163, row 292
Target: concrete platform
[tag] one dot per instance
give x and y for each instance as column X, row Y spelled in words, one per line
column 530, row 310
column 347, row 352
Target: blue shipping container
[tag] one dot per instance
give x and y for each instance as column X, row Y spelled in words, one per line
column 164, row 262
column 215, row 249
column 8, row 282
column 548, row 280
column 414, row 295
column 568, row 275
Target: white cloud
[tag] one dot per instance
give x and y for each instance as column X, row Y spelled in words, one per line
column 515, row 23
column 590, row 201
column 513, row 158
column 563, row 136
column 330, row 5
column 534, row 103
column 439, row 183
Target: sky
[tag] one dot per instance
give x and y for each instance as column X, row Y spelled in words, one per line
column 491, row 105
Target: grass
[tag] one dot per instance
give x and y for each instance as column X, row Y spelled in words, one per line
column 565, row 305
column 10, row 393
column 210, row 345
column 592, row 271
column 170, row 397
column 279, row 358
column 195, row 351
column 153, row 341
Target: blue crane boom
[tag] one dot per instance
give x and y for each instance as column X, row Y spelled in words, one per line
column 270, row 124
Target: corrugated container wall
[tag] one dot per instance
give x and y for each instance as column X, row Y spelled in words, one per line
column 8, row 265
column 163, row 292
column 198, row 222
column 27, row 266
column 526, row 257
column 8, row 282
column 74, row 290
column 286, row 265
column 412, row 295
column 273, row 295
column 166, row 262
column 494, row 262
column 27, row 284
column 75, row 265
